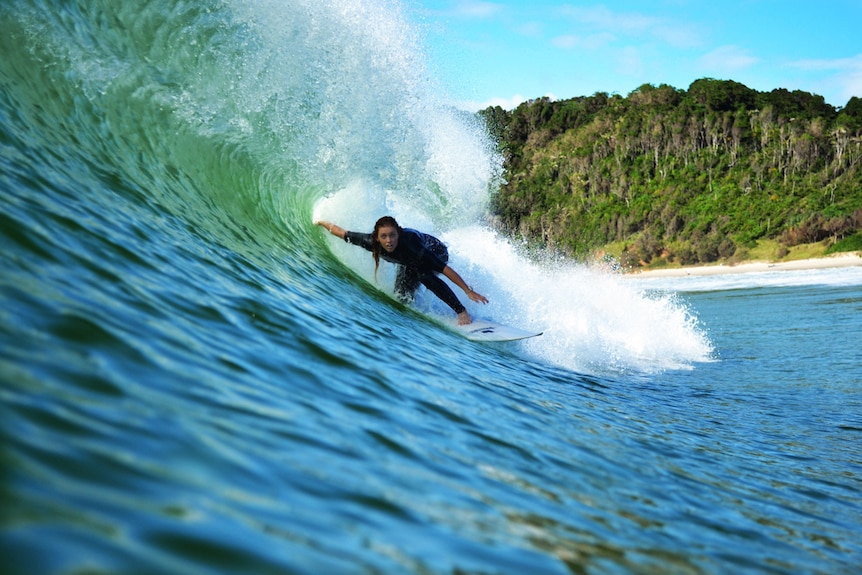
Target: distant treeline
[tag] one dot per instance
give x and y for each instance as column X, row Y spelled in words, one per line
column 693, row 176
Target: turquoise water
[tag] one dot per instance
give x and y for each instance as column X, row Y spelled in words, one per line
column 195, row 379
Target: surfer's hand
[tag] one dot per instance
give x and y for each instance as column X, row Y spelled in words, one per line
column 476, row 297
column 331, row 228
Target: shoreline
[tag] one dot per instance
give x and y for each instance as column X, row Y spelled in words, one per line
column 843, row 260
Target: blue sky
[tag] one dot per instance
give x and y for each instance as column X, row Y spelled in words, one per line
column 503, row 52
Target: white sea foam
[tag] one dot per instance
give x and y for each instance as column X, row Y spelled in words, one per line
column 592, row 320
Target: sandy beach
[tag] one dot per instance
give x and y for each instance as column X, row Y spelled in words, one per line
column 836, row 261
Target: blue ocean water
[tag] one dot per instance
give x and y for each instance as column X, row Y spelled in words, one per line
column 195, row 379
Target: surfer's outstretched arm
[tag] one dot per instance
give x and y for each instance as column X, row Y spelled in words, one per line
column 459, row 281
column 332, row 228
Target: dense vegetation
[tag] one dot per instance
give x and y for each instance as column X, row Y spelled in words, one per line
column 684, row 176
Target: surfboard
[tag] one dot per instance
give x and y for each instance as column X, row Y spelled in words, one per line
column 484, row 330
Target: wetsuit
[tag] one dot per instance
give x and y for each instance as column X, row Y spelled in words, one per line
column 420, row 257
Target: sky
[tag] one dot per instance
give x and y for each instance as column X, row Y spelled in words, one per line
column 504, row 52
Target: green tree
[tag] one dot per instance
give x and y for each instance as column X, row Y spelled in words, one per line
column 722, row 95
column 688, row 174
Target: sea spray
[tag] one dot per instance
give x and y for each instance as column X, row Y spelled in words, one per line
column 594, row 320
column 364, row 108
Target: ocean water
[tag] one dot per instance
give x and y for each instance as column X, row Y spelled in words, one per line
column 195, row 379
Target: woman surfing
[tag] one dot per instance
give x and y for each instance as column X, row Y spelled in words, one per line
column 420, row 257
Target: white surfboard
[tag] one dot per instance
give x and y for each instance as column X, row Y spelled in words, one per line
column 483, row 330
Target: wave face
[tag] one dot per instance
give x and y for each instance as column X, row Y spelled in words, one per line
column 196, row 378
column 245, row 120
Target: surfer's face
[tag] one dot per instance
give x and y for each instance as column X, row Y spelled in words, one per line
column 388, row 238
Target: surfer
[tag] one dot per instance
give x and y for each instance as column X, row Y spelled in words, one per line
column 420, row 257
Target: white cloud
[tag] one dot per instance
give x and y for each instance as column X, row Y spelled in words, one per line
column 567, row 42
column 602, row 18
column 608, row 23
column 844, row 76
column 475, row 9
column 726, row 60
column 838, row 64
column 629, row 63
column 591, row 42
column 530, row 29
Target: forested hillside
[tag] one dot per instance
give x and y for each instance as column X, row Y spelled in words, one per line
column 683, row 176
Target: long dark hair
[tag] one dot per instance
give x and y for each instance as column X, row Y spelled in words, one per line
column 384, row 222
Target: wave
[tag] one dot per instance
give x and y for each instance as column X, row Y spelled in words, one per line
column 244, row 121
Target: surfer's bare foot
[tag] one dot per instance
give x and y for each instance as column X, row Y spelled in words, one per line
column 464, row 318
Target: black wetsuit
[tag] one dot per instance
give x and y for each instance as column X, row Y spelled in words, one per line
column 420, row 257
